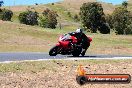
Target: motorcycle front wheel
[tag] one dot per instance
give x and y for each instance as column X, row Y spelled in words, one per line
column 53, row 51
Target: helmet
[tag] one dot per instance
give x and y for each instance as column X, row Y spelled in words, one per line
column 79, row 30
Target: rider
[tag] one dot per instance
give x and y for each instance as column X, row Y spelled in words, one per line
column 82, row 39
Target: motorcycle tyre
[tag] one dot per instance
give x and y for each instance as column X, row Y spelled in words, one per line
column 76, row 53
column 53, row 49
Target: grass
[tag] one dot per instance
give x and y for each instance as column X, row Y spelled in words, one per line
column 62, row 8
column 17, row 37
column 23, row 67
column 74, row 6
column 60, row 73
column 20, row 37
column 51, row 65
column 62, row 11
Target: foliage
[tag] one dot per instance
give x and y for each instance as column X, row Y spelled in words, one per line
column 36, row 3
column 29, row 18
column 22, row 17
column 93, row 17
column 1, row 3
column 122, row 20
column 76, row 18
column 69, row 14
column 104, row 28
column 125, row 4
column 52, row 3
column 49, row 19
column 43, row 22
column 0, row 13
column 5, row 14
column 129, row 29
column 108, row 18
column 46, row 11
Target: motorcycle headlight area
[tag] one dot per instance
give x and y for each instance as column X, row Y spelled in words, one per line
column 65, row 37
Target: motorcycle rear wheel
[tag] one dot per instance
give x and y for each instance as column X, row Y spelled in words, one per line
column 53, row 51
column 76, row 52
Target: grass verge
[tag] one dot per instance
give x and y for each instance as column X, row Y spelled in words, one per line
column 60, row 73
column 52, row 65
column 19, row 37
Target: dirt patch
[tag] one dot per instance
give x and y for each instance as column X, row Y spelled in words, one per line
column 18, row 8
column 25, row 40
column 64, row 75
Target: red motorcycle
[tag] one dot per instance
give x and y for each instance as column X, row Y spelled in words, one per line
column 67, row 45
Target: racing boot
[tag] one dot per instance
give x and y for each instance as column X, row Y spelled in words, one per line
column 83, row 52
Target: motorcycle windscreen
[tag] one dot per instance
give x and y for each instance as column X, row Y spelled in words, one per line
column 65, row 37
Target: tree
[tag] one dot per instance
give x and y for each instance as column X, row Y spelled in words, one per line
column 122, row 20
column 108, row 18
column 93, row 17
column 49, row 19
column 129, row 29
column 1, row 14
column 29, row 18
column 125, row 4
column 32, row 18
column 46, row 11
column 76, row 18
column 43, row 22
column 6, row 14
column 69, row 14
column 1, row 3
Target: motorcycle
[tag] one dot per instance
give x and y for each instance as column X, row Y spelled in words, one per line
column 67, row 45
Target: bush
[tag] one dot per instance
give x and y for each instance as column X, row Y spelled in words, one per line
column 121, row 19
column 76, row 18
column 69, row 14
column 5, row 14
column 0, row 14
column 93, row 17
column 52, row 3
column 45, row 12
column 109, row 20
column 104, row 28
column 43, row 22
column 49, row 19
column 1, row 3
column 22, row 17
column 129, row 29
column 29, row 18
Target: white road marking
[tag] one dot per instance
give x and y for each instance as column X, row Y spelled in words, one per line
column 81, row 58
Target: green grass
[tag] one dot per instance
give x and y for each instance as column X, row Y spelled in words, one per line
column 112, row 40
column 15, row 17
column 62, row 12
column 20, row 37
column 17, row 37
column 50, row 65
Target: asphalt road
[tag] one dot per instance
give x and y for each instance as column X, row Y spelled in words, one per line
column 22, row 56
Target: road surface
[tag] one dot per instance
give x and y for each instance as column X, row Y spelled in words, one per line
column 33, row 56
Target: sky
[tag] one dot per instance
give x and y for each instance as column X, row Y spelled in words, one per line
column 32, row 2
column 26, row 2
column 115, row 2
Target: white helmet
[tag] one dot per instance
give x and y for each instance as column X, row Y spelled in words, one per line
column 79, row 30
